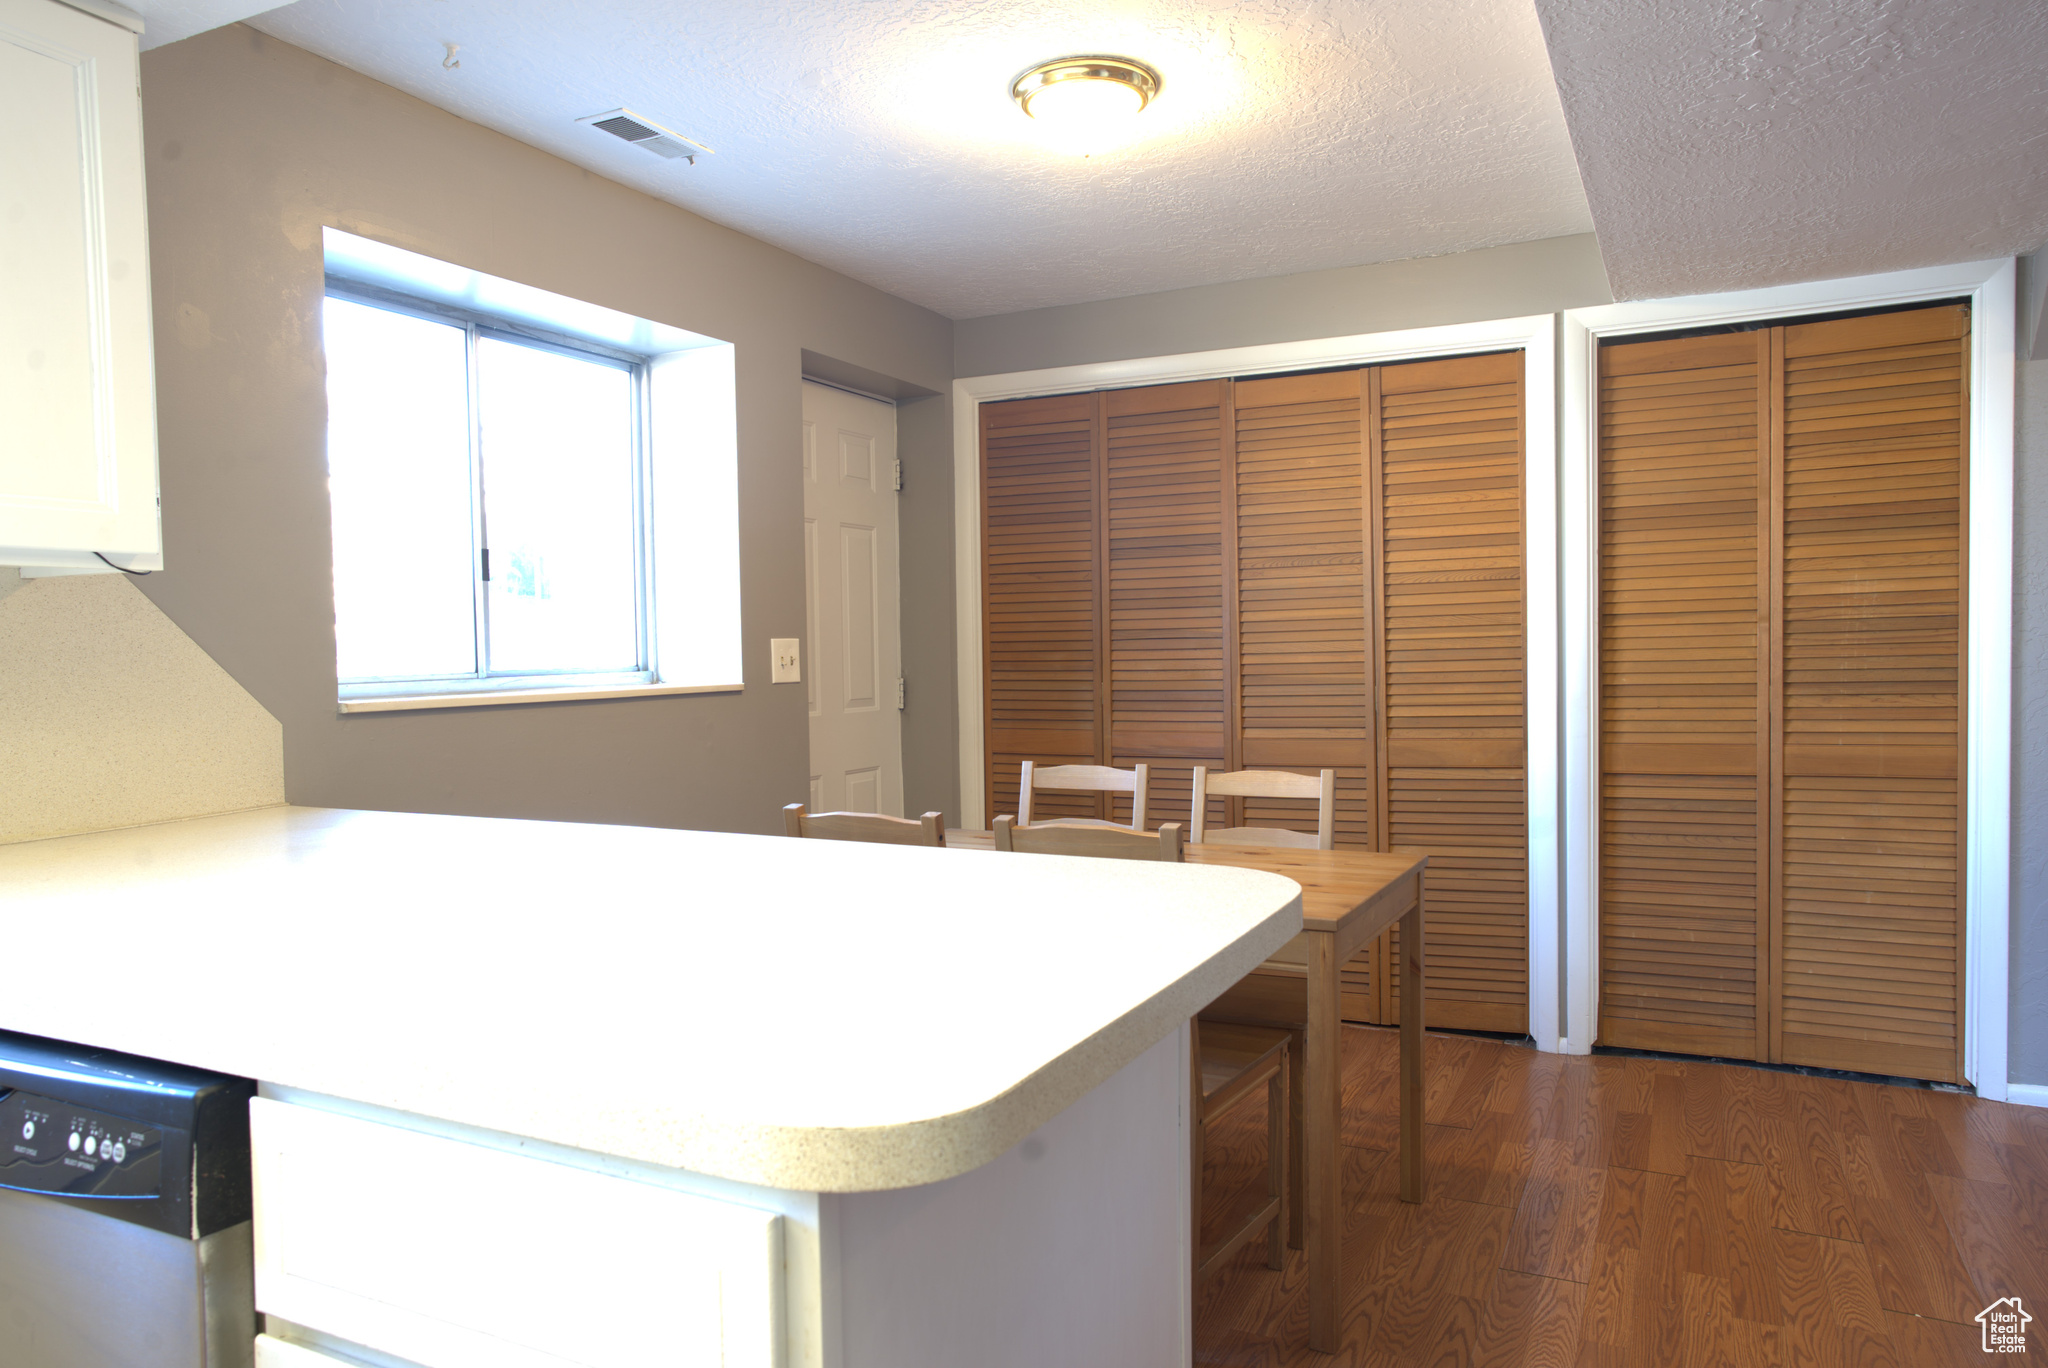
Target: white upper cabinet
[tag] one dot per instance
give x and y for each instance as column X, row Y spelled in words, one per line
column 77, row 380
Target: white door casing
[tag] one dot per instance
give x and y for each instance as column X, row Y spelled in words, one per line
column 1987, row 806
column 853, row 610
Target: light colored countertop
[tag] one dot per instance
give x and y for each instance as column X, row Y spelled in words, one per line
column 812, row 1015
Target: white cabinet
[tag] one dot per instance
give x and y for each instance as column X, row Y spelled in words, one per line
column 453, row 1254
column 77, row 380
column 277, row 1353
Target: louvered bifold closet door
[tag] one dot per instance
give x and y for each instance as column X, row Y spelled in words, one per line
column 1039, row 581
column 1782, row 602
column 1163, row 544
column 1446, row 463
column 1683, row 734
column 1873, row 600
column 1304, row 664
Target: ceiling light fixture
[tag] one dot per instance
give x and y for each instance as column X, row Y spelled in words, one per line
column 1080, row 92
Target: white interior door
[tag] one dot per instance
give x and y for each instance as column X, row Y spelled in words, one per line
column 855, row 640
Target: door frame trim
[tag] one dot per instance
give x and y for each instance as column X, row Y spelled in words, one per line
column 1536, row 337
column 1990, row 287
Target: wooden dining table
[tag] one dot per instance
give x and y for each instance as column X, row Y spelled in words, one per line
column 1348, row 897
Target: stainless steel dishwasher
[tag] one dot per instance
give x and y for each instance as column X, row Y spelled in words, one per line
column 124, row 1211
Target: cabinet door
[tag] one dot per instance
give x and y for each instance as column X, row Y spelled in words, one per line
column 77, row 408
column 453, row 1254
column 277, row 1353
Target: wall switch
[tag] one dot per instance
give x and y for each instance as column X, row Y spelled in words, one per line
column 787, row 669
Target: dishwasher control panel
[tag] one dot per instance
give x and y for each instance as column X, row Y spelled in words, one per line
column 72, row 1151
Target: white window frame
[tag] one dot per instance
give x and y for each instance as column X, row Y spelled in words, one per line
column 687, row 486
column 1987, row 820
column 476, row 327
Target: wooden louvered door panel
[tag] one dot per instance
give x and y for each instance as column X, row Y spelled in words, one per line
column 1303, row 665
column 1683, row 735
column 1872, row 493
column 1039, row 585
column 1233, row 568
column 1781, row 693
column 1446, row 475
column 1164, row 471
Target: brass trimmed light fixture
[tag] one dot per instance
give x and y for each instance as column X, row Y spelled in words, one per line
column 1077, row 91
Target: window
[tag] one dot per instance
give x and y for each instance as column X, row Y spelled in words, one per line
column 486, row 496
column 494, row 482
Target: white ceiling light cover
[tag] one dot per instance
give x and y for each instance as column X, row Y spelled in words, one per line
column 1086, row 104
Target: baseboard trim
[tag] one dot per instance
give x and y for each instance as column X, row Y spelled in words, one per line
column 2027, row 1094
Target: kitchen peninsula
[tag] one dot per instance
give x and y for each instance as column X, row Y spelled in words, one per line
column 546, row 1094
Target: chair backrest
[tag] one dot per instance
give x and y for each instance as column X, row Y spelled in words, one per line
column 1094, row 778
column 1266, row 784
column 928, row 830
column 1112, row 843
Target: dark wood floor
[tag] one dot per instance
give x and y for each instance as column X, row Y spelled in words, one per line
column 1604, row 1211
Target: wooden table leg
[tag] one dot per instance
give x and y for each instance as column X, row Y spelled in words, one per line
column 1297, row 1121
column 1322, row 1179
column 1413, row 959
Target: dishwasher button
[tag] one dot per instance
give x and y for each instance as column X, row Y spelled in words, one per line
column 120, row 1152
column 92, row 1145
column 74, row 1142
column 28, row 1130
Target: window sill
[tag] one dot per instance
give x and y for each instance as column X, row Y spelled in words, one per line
column 505, row 697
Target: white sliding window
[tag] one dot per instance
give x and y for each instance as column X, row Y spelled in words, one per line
column 489, row 505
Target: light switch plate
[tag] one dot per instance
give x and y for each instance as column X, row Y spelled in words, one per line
column 788, row 670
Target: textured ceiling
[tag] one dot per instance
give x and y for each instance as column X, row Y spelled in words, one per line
column 1729, row 144
column 166, row 21
column 878, row 137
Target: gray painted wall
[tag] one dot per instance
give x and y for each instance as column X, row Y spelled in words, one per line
column 253, row 145
column 1469, row 287
column 931, row 725
column 2028, row 1029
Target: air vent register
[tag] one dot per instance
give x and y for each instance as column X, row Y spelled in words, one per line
column 644, row 133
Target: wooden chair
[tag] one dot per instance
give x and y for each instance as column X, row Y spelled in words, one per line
column 1101, row 840
column 1270, row 784
column 1082, row 778
column 1227, row 1062
column 928, row 830
column 1266, row 784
